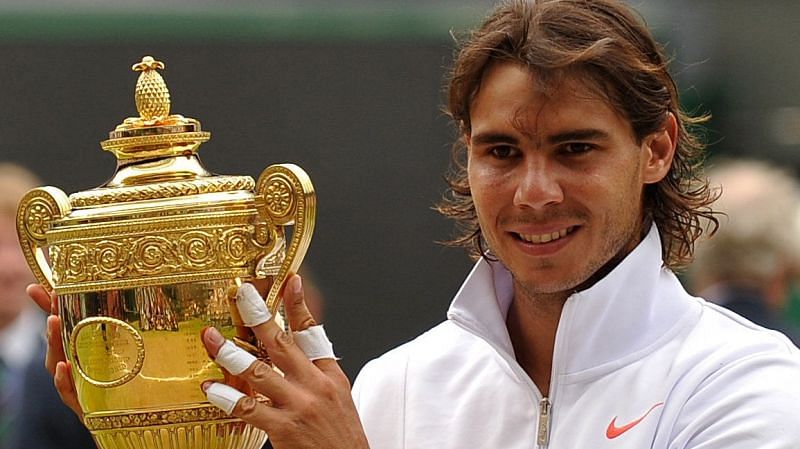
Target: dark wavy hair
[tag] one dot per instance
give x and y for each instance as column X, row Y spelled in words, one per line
column 607, row 44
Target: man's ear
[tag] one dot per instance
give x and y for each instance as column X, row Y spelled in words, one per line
column 659, row 149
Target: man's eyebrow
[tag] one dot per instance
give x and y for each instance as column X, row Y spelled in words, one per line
column 493, row 138
column 577, row 134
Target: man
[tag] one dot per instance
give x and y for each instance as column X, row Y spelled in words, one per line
column 750, row 264
column 580, row 193
column 20, row 324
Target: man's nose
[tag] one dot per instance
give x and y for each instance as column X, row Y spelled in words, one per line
column 538, row 186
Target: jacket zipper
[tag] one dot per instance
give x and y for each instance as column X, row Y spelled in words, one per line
column 543, row 429
column 543, row 432
column 545, row 404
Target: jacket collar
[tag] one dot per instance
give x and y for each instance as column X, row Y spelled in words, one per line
column 621, row 316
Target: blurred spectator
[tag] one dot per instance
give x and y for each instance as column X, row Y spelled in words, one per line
column 41, row 416
column 749, row 264
column 44, row 421
column 21, row 323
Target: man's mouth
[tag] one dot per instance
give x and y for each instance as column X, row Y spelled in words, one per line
column 545, row 238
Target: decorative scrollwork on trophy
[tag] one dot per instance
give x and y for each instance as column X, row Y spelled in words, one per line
column 171, row 253
column 286, row 197
column 39, row 208
column 279, row 196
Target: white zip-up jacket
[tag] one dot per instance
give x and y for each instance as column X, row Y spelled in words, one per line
column 638, row 363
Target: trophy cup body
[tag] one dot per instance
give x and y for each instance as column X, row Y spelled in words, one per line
column 143, row 263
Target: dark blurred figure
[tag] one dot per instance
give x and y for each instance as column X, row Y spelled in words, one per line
column 45, row 422
column 41, row 421
column 21, row 374
column 749, row 264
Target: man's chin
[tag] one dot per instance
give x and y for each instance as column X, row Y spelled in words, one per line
column 539, row 287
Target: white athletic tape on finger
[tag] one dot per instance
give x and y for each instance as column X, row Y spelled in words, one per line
column 234, row 358
column 223, row 396
column 252, row 306
column 314, row 343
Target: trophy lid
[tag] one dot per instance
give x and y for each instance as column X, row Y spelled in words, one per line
column 155, row 133
column 163, row 218
column 156, row 152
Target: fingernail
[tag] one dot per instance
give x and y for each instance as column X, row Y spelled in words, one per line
column 296, row 285
column 206, row 385
column 213, row 336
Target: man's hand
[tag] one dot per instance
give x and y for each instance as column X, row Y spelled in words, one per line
column 311, row 404
column 56, row 361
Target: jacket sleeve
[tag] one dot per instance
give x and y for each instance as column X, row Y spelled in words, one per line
column 751, row 403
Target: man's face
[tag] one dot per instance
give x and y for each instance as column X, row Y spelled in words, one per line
column 557, row 180
column 14, row 272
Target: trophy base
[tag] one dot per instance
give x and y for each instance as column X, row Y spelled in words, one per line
column 173, row 429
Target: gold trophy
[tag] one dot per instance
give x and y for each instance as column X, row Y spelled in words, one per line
column 144, row 262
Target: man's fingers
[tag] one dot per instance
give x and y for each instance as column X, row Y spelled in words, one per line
column 62, row 380
column 309, row 404
column 294, row 303
column 315, row 343
column 212, row 340
column 234, row 402
column 251, row 306
column 223, row 396
column 55, row 345
column 241, row 363
column 279, row 345
column 55, row 360
column 309, row 336
column 40, row 296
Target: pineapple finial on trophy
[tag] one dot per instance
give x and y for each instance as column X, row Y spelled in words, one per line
column 155, row 132
column 152, row 95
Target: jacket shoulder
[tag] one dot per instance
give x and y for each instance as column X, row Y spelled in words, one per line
column 742, row 390
column 379, row 391
column 391, row 367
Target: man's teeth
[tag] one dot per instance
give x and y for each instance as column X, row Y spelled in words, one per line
column 544, row 238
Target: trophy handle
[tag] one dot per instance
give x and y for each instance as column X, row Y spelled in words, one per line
column 37, row 210
column 286, row 196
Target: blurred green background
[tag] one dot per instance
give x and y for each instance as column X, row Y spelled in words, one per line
column 352, row 92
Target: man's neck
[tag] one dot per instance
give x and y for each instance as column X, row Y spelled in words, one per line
column 532, row 322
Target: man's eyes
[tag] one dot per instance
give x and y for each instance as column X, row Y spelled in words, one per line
column 503, row 151
column 577, row 147
column 571, row 148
